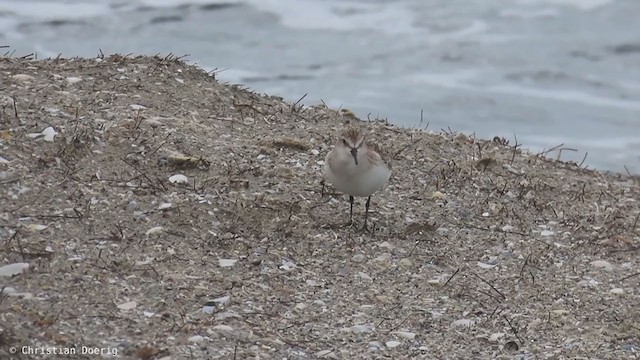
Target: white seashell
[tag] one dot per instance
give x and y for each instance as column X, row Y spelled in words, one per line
column 405, row 334
column 226, row 328
column 178, row 178
column 605, row 265
column 227, row 262
column 463, row 322
column 73, row 79
column 127, row 306
column 36, row 227
column 13, row 269
column 196, row 339
column 22, row 77
column 154, row 230
column 49, row 133
column 222, row 300
column 486, row 266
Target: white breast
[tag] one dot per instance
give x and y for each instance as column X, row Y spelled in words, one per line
column 353, row 181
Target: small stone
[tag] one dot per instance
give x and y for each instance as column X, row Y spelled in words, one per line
column 442, row 231
column 405, row 263
column 507, row 228
column 486, row 266
column 463, row 322
column 359, row 329
column 405, row 334
column 222, row 300
column 437, row 195
column 49, row 133
column 196, row 339
column 364, row 276
column 154, row 230
column 315, row 152
column 393, row 343
column 22, row 77
column 227, row 262
column 602, row 264
column 127, row 306
column 322, row 353
column 358, row 258
column 496, row 336
column 138, row 107
column 13, row 269
column 546, row 233
column 36, row 227
column 225, row 328
column 560, row 312
column 178, row 178
column 73, row 79
column 617, row 291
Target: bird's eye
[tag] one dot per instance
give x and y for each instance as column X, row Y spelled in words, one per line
column 344, row 142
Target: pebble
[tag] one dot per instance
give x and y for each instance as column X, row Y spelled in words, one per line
column 22, row 77
column 178, row 178
column 364, row 276
column 358, row 258
column 405, row 263
column 463, row 322
column 227, row 262
column 359, row 329
column 13, row 269
column 73, row 79
column 128, row 305
column 405, row 334
column 393, row 343
column 617, row 291
column 153, row 230
column 322, row 353
column 225, row 328
column 196, row 339
column 602, row 264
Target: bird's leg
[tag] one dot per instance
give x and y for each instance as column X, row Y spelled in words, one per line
column 366, row 214
column 350, row 211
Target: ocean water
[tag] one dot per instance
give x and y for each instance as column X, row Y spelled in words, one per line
column 549, row 71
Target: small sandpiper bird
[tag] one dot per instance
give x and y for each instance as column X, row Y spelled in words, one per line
column 356, row 168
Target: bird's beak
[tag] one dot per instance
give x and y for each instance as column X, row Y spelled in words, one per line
column 354, row 153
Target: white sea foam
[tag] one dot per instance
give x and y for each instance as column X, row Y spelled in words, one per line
column 476, row 27
column 581, row 97
column 580, row 4
column 529, row 13
column 459, row 80
column 339, row 15
column 54, row 10
column 177, row 3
